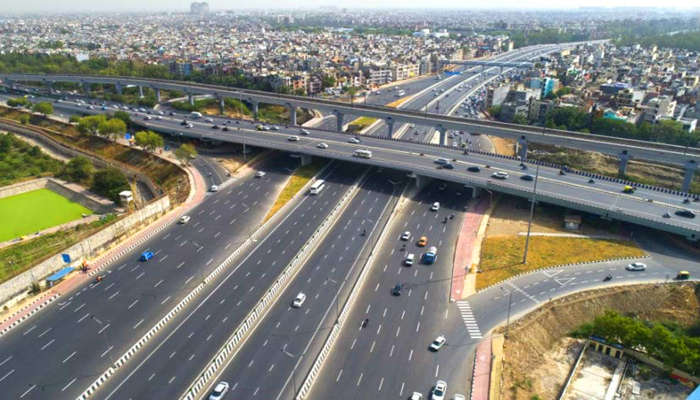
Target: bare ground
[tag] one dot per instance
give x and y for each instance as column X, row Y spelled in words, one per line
column 537, row 348
column 503, row 146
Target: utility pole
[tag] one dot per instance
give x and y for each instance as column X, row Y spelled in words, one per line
column 532, row 212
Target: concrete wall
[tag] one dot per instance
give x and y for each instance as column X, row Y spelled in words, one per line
column 85, row 249
column 73, row 192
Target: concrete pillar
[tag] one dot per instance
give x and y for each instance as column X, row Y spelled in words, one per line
column 305, row 159
column 190, row 98
column 222, row 105
column 157, row 94
column 292, row 115
column 118, row 88
column 339, row 120
column 389, row 127
column 690, row 167
column 256, row 108
column 140, row 91
column 522, row 148
column 475, row 192
column 86, row 87
column 624, row 159
column 443, row 134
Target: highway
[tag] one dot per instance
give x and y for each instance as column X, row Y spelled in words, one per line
column 165, row 367
column 645, row 207
column 61, row 350
column 288, row 339
column 390, row 357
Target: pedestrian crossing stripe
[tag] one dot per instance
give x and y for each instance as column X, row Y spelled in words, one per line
column 465, row 310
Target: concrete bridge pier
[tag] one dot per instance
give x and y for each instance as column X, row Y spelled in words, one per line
column 521, row 148
column 443, row 134
column 222, row 104
column 118, row 88
column 256, row 109
column 475, row 192
column 86, row 87
column 292, row 114
column 157, row 94
column 140, row 92
column 389, row 127
column 421, row 181
column 339, row 120
column 50, row 85
column 624, row 159
column 305, row 159
column 690, row 167
column 190, row 98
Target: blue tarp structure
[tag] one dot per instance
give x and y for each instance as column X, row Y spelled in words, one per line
column 695, row 395
column 58, row 275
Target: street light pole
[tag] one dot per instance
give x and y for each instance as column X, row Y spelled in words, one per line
column 532, row 212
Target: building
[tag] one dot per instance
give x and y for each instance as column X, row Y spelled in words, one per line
column 630, row 97
column 659, row 107
column 199, row 8
column 538, row 109
column 405, row 71
column 378, row 77
column 496, row 96
column 517, row 103
column 313, row 85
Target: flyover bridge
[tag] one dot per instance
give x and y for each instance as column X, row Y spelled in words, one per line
column 488, row 64
column 687, row 157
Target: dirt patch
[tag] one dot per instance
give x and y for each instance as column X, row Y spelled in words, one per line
column 503, row 146
column 510, row 216
column 536, row 350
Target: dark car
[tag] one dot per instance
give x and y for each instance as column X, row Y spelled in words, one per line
column 448, row 166
column 396, row 291
column 685, row 213
column 527, row 177
column 215, row 127
column 225, row 128
column 474, row 169
column 184, row 122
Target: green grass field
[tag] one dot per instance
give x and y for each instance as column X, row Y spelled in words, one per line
column 36, row 210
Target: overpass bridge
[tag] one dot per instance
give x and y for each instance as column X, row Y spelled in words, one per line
column 648, row 206
column 488, row 64
column 687, row 158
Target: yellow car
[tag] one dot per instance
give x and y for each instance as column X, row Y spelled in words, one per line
column 422, row 242
column 628, row 189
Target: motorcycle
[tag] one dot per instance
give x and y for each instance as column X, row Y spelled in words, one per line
column 607, row 278
column 365, row 322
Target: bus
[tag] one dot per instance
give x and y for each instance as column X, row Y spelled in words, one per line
column 363, row 153
column 317, row 186
column 195, row 115
column 430, row 255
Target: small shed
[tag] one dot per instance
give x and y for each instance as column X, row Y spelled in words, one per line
column 572, row 222
column 126, row 197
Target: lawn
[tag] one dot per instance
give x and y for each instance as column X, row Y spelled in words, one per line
column 297, row 181
column 501, row 256
column 36, row 210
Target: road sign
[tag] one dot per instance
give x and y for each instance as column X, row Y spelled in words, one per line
column 66, row 257
column 127, row 136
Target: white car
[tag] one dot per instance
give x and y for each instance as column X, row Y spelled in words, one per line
column 214, row 188
column 299, row 300
column 354, row 140
column 416, row 396
column 459, row 397
column 438, row 343
column 275, row 128
column 304, row 132
column 406, row 235
column 322, row 146
column 636, row 266
column 260, row 174
column 435, row 206
column 293, row 138
column 500, row 175
column 184, row 219
column 219, row 391
column 439, row 391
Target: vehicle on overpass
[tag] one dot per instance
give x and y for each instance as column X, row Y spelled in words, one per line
column 683, row 275
column 422, row 242
column 219, row 391
column 362, row 153
column 628, row 189
column 146, row 255
column 430, row 256
column 195, row 115
column 317, row 186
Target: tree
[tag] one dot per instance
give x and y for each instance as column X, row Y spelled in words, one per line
column 90, row 124
column 45, row 108
column 520, row 119
column 19, row 102
column 74, row 119
column 123, row 115
column 185, row 152
column 112, row 128
column 327, row 81
column 24, row 119
column 109, row 182
column 149, row 140
column 78, row 169
column 352, row 91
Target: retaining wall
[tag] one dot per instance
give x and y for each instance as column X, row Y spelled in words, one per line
column 83, row 249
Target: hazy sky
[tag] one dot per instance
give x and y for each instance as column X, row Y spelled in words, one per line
column 14, row 6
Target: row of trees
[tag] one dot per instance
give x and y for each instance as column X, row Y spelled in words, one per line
column 106, row 182
column 674, row 346
column 682, row 40
column 666, row 131
column 20, row 160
